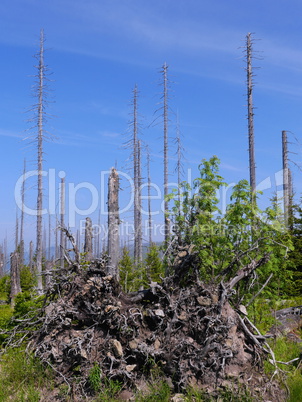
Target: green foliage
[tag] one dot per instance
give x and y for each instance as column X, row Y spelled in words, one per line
column 94, row 378
column 226, row 243
column 109, row 391
column 126, row 270
column 295, row 385
column 295, row 256
column 154, row 265
column 158, row 390
column 6, row 313
column 286, row 351
column 133, row 277
column 27, row 279
column 4, row 287
column 22, row 377
column 106, row 389
column 26, row 303
column 236, row 394
column 261, row 313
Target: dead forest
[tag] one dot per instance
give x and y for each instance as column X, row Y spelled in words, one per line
column 202, row 315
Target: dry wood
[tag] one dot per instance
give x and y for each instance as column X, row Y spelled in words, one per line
column 113, row 223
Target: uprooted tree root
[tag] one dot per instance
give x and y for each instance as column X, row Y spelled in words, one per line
column 191, row 335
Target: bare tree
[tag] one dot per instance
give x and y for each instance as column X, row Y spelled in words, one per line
column 1, row 261
column 139, row 234
column 49, row 238
column 17, row 232
column 14, row 276
column 22, row 217
column 40, row 120
column 62, row 221
column 98, row 237
column 250, row 84
column 88, row 239
column 57, row 251
column 179, row 164
column 113, row 223
column 285, row 176
column 134, row 145
column 165, row 83
column 5, row 253
column 31, row 256
column 78, row 240
column 149, row 197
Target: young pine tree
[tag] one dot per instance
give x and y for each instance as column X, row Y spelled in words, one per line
column 154, row 265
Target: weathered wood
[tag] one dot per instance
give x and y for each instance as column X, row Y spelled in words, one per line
column 31, row 257
column 40, row 137
column 249, row 69
column 1, row 262
column 113, row 223
column 88, row 240
column 286, row 177
column 22, row 217
column 62, row 223
column 14, row 276
column 164, row 72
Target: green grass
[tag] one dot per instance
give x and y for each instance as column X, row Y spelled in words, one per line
column 22, row 377
column 295, row 386
column 286, row 351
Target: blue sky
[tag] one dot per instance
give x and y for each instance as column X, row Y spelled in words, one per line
column 97, row 52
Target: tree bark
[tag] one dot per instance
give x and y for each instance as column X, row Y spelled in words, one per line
column 14, row 276
column 286, row 177
column 40, row 136
column 113, row 223
column 249, row 69
column 62, row 223
column 88, row 240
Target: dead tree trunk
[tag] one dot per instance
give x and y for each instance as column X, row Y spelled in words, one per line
column 5, row 253
column 17, row 232
column 44, row 246
column 62, row 222
column 113, row 223
column 179, row 165
column 88, row 240
column 164, row 72
column 78, row 240
column 48, row 269
column 57, row 253
column 139, row 233
column 14, row 276
column 1, row 262
column 49, row 238
column 135, row 155
column 149, row 198
column 98, row 237
column 286, row 197
column 250, row 107
column 31, row 257
column 22, row 217
column 40, row 136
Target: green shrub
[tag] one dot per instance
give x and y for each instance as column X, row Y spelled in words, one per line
column 26, row 303
column 27, row 279
column 4, row 287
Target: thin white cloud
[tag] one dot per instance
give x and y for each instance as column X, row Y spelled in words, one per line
column 12, row 134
